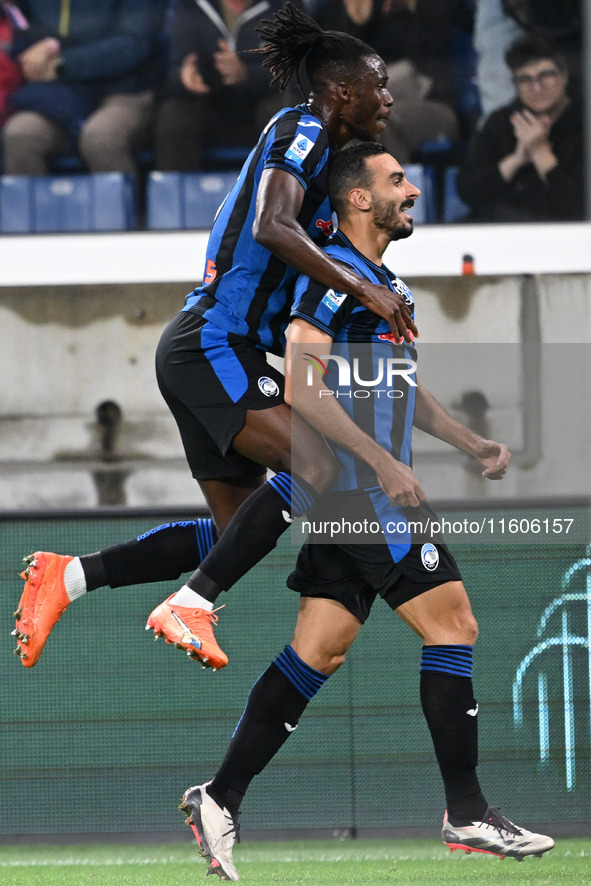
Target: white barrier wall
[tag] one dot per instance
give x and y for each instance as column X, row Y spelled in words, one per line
column 68, row 346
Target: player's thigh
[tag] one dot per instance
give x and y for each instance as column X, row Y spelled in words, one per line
column 442, row 615
column 324, row 633
column 283, row 441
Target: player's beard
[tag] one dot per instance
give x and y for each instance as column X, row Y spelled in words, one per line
column 386, row 217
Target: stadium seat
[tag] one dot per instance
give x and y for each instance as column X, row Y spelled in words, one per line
column 181, row 200
column 229, row 157
column 423, row 177
column 72, row 163
column 454, row 208
column 102, row 201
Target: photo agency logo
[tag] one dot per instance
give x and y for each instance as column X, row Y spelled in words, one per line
column 349, row 377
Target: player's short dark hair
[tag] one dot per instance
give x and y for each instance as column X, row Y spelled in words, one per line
column 528, row 49
column 348, row 169
column 292, row 37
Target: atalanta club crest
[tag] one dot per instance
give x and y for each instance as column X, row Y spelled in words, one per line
column 268, row 386
column 429, row 556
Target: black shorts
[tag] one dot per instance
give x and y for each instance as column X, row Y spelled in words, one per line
column 209, row 379
column 354, row 575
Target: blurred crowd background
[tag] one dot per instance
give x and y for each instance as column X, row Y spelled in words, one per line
column 487, row 93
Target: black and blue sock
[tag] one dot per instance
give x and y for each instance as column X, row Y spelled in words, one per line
column 252, row 533
column 451, row 712
column 275, row 704
column 162, row 553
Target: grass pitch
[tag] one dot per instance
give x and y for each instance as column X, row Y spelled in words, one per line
column 350, row 863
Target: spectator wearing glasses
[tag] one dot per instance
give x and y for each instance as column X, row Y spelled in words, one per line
column 526, row 163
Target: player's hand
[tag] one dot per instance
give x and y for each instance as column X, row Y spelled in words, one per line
column 191, row 75
column 399, row 482
column 231, row 69
column 393, row 308
column 494, row 457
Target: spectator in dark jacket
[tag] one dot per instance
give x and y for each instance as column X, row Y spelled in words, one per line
column 526, row 163
column 218, row 92
column 90, row 69
column 413, row 37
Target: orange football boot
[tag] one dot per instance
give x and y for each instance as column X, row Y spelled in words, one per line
column 44, row 600
column 189, row 629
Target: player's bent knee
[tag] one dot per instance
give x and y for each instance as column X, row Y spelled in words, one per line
column 332, row 663
column 461, row 628
column 322, row 474
column 470, row 629
column 325, row 662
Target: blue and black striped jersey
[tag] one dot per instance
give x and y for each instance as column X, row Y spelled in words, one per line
column 369, row 373
column 247, row 290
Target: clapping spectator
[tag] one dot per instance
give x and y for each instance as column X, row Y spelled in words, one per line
column 217, row 92
column 526, row 164
column 498, row 23
column 90, row 69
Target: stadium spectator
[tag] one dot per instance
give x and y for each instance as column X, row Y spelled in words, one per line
column 217, row 92
column 494, row 32
column 90, row 68
column 10, row 73
column 498, row 23
column 339, row 581
column 526, row 163
column 212, row 368
column 413, row 37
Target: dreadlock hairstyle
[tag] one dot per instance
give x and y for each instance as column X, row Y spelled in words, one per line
column 291, row 37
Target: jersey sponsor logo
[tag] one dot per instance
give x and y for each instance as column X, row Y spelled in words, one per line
column 268, row 386
column 299, row 149
column 210, row 272
column 326, row 227
column 389, row 336
column 429, row 556
column 333, row 300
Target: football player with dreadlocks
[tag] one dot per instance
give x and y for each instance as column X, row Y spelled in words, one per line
column 211, row 360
